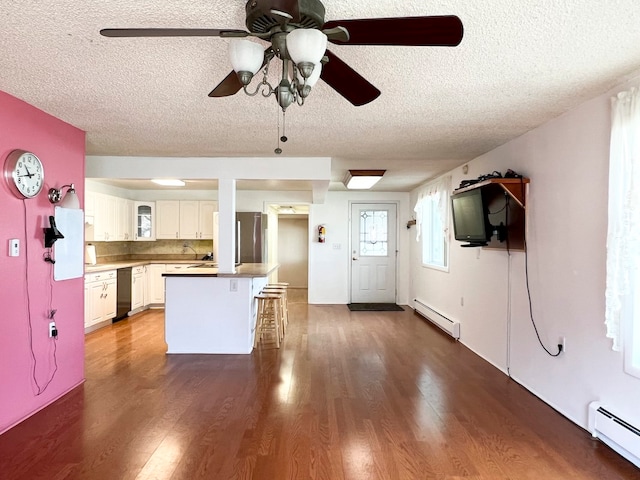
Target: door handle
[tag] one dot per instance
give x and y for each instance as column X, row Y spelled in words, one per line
column 354, row 258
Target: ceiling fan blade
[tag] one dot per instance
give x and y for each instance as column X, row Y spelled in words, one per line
column 347, row 82
column 227, row 87
column 444, row 31
column 172, row 32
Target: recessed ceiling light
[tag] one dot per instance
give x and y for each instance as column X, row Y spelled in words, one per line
column 168, row 182
column 362, row 179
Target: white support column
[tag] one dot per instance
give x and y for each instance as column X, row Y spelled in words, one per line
column 227, row 225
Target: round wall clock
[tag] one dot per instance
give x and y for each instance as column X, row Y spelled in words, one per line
column 24, row 173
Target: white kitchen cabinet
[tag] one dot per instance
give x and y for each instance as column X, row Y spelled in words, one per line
column 196, row 219
column 100, row 297
column 104, row 223
column 137, row 287
column 205, row 213
column 144, row 221
column 146, row 286
column 155, row 283
column 89, row 203
column 124, row 219
column 168, row 219
column 189, row 219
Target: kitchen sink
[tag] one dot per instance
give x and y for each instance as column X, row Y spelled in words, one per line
column 208, row 265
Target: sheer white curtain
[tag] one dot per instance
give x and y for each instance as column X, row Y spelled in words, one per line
column 623, row 234
column 439, row 190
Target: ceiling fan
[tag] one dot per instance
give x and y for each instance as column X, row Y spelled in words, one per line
column 274, row 20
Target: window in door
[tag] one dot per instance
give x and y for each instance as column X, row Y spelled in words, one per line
column 373, row 233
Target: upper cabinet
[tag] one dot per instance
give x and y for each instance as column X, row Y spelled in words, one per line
column 185, row 219
column 110, row 218
column 104, row 220
column 124, row 219
column 144, row 221
column 196, row 219
column 168, row 219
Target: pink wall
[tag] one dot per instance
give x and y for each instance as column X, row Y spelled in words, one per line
column 61, row 149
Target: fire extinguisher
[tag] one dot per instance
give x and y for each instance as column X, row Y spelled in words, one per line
column 321, row 232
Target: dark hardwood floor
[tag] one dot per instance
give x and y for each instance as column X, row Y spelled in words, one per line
column 350, row 395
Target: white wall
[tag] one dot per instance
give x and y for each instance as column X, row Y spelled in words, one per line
column 567, row 162
column 293, row 251
column 328, row 266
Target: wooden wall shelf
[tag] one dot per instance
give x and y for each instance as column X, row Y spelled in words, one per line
column 494, row 190
column 513, row 186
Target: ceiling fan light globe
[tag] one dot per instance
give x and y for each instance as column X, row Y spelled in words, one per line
column 305, row 69
column 306, row 45
column 245, row 56
column 312, row 78
column 245, row 77
column 304, row 90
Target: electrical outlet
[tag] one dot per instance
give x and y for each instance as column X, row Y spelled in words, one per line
column 53, row 331
column 233, row 285
column 563, row 341
column 14, row 247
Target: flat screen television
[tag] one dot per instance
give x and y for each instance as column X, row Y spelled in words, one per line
column 471, row 218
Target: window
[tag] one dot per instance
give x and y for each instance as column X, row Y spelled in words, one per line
column 622, row 310
column 432, row 223
column 373, row 233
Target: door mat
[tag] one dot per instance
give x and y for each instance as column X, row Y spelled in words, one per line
column 374, row 307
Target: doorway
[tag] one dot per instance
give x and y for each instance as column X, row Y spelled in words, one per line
column 289, row 247
column 373, row 252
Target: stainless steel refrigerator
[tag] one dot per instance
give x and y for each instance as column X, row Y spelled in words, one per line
column 251, row 237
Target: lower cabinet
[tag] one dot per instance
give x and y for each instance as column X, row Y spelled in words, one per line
column 100, row 297
column 137, row 287
column 155, row 284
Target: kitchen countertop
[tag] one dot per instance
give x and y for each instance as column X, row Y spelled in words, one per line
column 242, row 270
column 101, row 267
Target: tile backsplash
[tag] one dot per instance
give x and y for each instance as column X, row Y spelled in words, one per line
column 157, row 250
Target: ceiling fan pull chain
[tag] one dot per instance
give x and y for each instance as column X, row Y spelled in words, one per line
column 278, row 150
column 284, row 138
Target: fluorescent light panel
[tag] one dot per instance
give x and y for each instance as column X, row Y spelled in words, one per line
column 362, row 179
column 168, row 182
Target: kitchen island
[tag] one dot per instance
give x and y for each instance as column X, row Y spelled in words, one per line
column 211, row 312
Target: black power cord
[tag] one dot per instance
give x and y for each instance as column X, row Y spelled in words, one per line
column 526, row 275
column 39, row 390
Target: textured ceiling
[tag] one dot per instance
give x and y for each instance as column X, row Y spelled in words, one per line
column 520, row 64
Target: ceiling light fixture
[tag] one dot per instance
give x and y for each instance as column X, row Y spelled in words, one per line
column 286, row 210
column 301, row 51
column 362, row 179
column 168, row 182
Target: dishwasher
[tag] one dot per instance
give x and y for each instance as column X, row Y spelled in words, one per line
column 124, row 293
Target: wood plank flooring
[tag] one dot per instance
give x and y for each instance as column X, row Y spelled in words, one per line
column 350, row 395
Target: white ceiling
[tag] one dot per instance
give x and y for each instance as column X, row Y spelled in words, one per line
column 520, row 64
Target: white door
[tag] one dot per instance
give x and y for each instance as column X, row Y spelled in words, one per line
column 373, row 253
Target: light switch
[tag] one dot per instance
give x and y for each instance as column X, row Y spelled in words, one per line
column 14, row 247
column 337, row 246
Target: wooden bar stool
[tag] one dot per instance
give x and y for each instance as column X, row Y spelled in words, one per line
column 269, row 317
column 283, row 285
column 284, row 304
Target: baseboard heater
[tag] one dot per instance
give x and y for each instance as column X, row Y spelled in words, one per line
column 617, row 433
column 450, row 326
